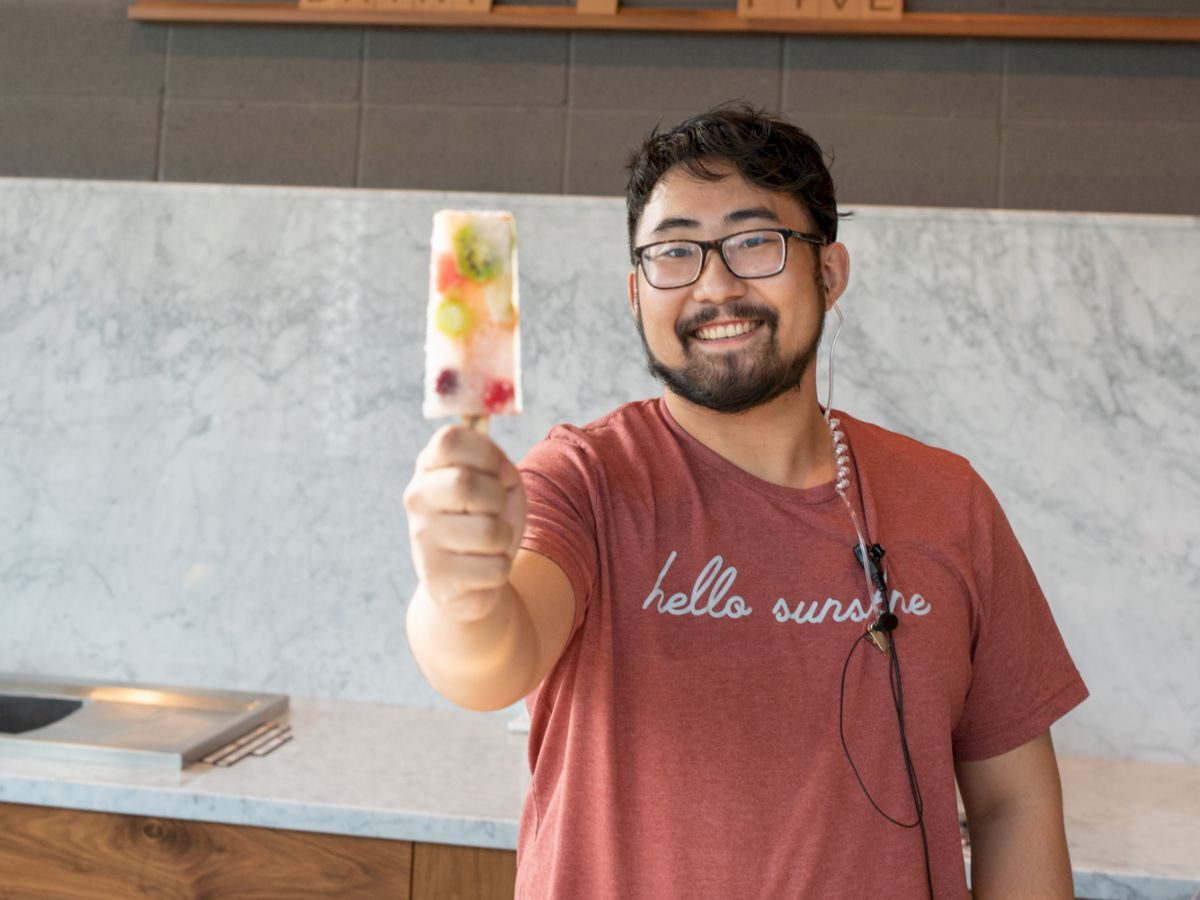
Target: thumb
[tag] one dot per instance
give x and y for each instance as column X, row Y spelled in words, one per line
column 516, row 510
column 509, row 475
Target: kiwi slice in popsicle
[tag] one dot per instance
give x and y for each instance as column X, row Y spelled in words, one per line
column 478, row 258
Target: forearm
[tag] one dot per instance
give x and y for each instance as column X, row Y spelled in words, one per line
column 482, row 665
column 1020, row 851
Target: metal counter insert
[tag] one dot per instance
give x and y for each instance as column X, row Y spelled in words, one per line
column 20, row 714
column 124, row 723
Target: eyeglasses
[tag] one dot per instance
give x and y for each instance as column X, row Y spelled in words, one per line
column 760, row 253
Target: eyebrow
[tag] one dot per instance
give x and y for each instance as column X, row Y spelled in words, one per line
column 755, row 212
column 733, row 218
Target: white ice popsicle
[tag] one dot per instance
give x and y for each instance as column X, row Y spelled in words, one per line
column 472, row 336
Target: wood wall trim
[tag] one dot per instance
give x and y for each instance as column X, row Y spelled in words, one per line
column 1040, row 27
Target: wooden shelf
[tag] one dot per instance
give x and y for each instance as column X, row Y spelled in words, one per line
column 1105, row 28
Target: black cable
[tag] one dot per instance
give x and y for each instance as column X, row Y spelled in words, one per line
column 914, row 787
column 846, row 749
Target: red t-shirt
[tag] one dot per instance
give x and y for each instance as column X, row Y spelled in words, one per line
column 687, row 744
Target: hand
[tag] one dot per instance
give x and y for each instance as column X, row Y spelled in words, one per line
column 466, row 514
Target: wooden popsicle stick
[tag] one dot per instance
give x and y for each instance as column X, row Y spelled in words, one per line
column 476, row 423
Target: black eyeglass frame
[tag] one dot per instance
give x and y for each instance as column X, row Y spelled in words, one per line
column 719, row 245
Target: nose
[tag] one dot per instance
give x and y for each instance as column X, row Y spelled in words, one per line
column 717, row 284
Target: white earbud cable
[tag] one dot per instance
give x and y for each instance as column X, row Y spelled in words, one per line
column 839, row 448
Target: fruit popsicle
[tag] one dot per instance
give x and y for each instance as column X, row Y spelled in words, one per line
column 472, row 335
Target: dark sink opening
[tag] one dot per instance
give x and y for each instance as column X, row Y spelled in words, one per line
column 20, row 714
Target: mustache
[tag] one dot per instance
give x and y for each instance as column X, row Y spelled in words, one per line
column 737, row 309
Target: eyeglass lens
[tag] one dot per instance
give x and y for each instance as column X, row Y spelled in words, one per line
column 750, row 254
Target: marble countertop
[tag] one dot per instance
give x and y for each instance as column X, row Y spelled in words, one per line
column 1133, row 828
column 459, row 778
column 363, row 769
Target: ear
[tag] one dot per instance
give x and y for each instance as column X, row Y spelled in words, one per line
column 631, row 289
column 835, row 271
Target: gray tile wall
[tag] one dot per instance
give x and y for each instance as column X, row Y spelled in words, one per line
column 1029, row 124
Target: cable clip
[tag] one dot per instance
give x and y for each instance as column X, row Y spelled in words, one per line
column 886, row 620
column 879, row 638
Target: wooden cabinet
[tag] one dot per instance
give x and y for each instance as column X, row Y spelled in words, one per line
column 59, row 853
column 442, row 872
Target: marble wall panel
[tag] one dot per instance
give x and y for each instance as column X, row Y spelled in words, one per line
column 210, row 405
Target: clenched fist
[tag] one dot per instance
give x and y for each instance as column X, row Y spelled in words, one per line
column 466, row 514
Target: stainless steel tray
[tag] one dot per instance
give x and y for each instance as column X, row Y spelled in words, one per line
column 126, row 723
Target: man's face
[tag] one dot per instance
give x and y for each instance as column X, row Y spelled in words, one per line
column 722, row 342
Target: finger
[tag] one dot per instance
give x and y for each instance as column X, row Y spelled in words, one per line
column 473, row 605
column 456, row 490
column 448, row 575
column 456, row 445
column 471, row 533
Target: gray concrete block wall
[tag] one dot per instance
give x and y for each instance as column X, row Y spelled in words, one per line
column 955, row 122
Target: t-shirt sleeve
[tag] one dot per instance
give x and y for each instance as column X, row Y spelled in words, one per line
column 1022, row 678
column 561, row 525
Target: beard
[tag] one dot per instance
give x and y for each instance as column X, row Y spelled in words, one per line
column 732, row 382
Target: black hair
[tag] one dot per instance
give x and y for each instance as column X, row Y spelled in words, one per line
column 766, row 150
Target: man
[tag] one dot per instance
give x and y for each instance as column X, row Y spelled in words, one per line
column 687, row 594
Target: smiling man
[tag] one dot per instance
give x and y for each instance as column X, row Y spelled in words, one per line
column 694, row 596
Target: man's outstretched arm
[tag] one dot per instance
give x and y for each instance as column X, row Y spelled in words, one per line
column 488, row 620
